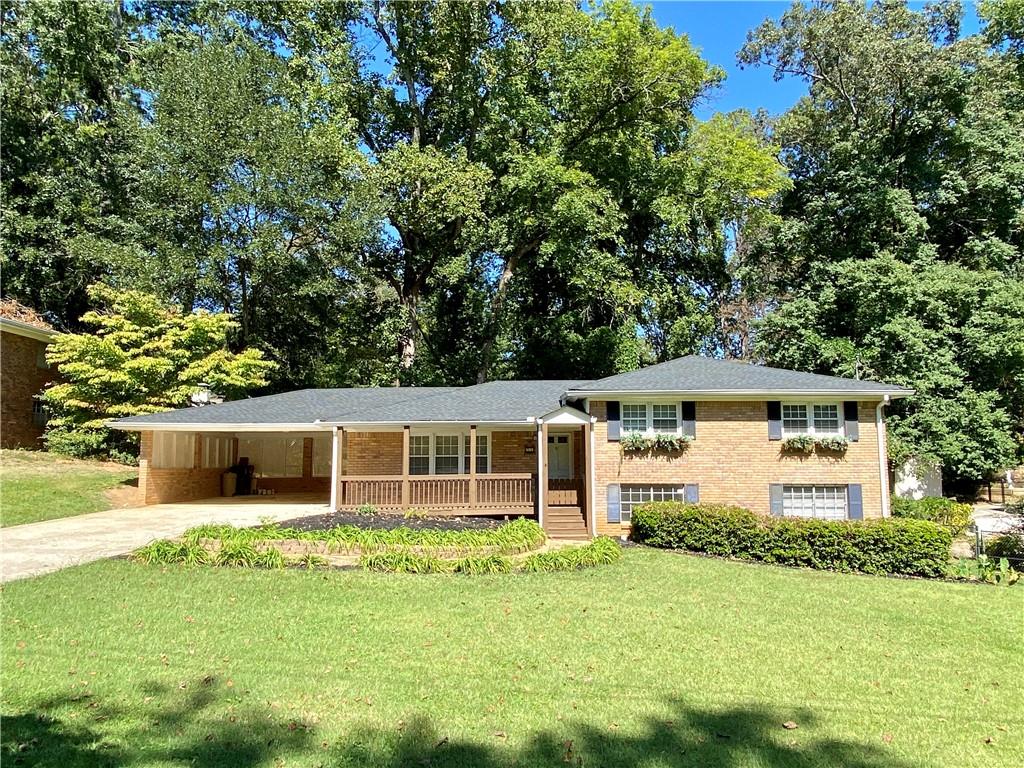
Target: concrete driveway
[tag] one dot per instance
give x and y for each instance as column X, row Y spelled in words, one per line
column 36, row 548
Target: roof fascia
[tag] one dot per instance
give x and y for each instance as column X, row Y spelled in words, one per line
column 24, row 329
column 733, row 394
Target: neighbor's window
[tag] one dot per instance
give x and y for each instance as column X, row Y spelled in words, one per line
column 174, row 450
column 634, row 417
column 446, row 455
column 639, row 494
column 323, row 455
column 804, row 419
column 40, row 415
column 827, row 502
column 419, row 454
column 216, row 452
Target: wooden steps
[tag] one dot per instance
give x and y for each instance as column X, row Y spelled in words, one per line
column 565, row 522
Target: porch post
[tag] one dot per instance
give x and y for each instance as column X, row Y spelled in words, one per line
column 405, row 467
column 472, row 465
column 587, row 449
column 335, row 467
column 542, row 480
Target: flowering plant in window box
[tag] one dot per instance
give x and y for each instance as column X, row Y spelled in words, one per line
column 833, row 443
column 638, row 443
column 798, row 444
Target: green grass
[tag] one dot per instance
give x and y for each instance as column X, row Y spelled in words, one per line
column 661, row 660
column 38, row 486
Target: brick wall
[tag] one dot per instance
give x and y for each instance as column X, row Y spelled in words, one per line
column 508, row 452
column 733, row 461
column 21, row 379
column 372, row 453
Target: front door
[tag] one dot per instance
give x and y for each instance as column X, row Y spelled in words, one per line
column 559, row 457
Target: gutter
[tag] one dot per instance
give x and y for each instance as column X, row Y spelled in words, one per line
column 729, row 394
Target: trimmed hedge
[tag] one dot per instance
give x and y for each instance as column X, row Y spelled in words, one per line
column 951, row 513
column 883, row 546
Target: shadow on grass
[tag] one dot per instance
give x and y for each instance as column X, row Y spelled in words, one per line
column 205, row 729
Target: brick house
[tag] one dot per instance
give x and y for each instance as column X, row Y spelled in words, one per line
column 481, row 449
column 24, row 373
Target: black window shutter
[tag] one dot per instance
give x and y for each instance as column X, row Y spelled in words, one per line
column 614, row 503
column 775, row 499
column 850, row 415
column 614, row 421
column 854, row 502
column 688, row 416
column 774, row 420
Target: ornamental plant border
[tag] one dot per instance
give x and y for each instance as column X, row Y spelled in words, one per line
column 659, row 443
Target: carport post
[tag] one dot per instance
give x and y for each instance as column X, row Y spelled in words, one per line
column 335, row 468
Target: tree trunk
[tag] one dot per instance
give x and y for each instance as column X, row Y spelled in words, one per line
column 406, row 347
column 498, row 307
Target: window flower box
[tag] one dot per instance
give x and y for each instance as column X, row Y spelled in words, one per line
column 833, row 444
column 660, row 443
column 803, row 444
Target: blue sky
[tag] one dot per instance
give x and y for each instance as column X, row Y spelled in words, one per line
column 719, row 30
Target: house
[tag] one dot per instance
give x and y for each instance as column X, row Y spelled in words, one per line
column 481, row 449
column 24, row 373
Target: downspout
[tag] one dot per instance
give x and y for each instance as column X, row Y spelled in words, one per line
column 883, row 463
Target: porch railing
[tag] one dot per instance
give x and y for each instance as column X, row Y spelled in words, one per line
column 564, row 492
column 492, row 492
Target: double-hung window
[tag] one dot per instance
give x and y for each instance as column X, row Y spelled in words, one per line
column 446, row 454
column 816, row 419
column 650, row 418
column 827, row 502
column 481, row 455
column 419, row 454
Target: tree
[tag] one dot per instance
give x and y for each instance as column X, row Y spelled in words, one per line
column 142, row 357
column 900, row 252
column 68, row 136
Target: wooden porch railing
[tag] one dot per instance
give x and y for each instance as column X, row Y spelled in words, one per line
column 493, row 492
column 565, row 492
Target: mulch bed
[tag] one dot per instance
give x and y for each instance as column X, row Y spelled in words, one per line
column 386, row 521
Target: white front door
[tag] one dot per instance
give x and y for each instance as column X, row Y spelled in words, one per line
column 559, row 457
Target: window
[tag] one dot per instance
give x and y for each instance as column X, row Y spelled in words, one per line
column 446, row 455
column 665, row 419
column 639, row 494
column 481, row 455
column 818, row 419
column 216, row 452
column 273, row 456
column 174, row 450
column 794, row 419
column 41, row 357
column 40, row 415
column 419, row 454
column 634, row 417
column 827, row 502
column 323, row 455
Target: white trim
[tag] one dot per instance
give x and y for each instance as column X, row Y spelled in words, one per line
column 335, row 466
column 19, row 328
column 309, row 426
column 462, row 436
column 741, row 394
column 542, row 481
column 649, row 430
column 566, row 416
column 883, row 459
column 592, row 478
column 809, row 422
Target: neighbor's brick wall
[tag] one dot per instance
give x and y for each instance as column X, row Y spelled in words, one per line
column 21, row 379
column 734, row 462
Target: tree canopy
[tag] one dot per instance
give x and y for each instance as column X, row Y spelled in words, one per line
column 442, row 192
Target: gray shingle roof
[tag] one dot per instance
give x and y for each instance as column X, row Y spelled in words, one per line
column 702, row 374
column 495, row 401
column 301, row 407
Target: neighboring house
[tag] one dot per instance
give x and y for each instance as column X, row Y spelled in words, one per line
column 481, row 449
column 24, row 373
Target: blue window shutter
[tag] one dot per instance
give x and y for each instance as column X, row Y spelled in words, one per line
column 774, row 420
column 854, row 502
column 614, row 503
column 775, row 499
column 691, row 493
column 614, row 421
column 688, row 417
column 850, row 415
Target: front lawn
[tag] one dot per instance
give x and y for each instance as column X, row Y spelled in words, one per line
column 43, row 486
column 660, row 660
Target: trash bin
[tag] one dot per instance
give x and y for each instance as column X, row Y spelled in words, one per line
column 228, row 483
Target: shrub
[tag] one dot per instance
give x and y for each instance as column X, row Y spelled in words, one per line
column 985, row 569
column 403, row 561
column 365, row 510
column 884, row 546
column 310, row 562
column 166, row 552
column 601, row 551
column 1009, row 545
column 483, row 564
column 950, row 513
column 240, row 554
column 798, row 444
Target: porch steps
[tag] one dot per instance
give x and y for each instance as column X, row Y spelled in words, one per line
column 565, row 522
